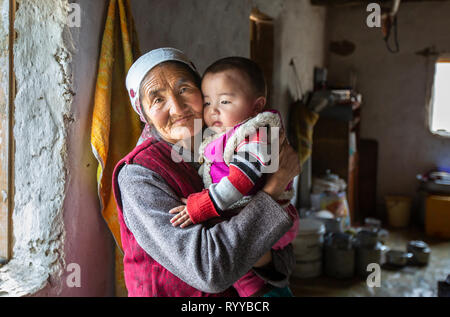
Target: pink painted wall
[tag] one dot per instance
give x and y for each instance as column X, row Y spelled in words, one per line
column 88, row 241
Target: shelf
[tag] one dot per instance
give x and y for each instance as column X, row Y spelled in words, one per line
column 342, row 111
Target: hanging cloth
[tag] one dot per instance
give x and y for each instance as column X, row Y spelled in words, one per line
column 115, row 126
column 301, row 122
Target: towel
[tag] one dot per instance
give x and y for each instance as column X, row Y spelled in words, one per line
column 301, row 127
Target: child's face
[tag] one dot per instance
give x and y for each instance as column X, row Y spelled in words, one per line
column 228, row 99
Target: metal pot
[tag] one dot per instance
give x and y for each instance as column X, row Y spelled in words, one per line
column 332, row 224
column 366, row 256
column 421, row 252
column 339, row 255
column 366, row 238
column 368, row 250
column 398, row 258
column 373, row 224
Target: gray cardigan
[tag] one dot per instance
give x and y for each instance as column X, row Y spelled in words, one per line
column 209, row 259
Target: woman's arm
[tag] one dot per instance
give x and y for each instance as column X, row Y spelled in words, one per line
column 209, row 259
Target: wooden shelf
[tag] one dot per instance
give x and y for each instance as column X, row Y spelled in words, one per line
column 331, row 148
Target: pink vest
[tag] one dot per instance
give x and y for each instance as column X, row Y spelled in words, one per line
column 144, row 277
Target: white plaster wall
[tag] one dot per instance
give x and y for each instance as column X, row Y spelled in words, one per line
column 394, row 89
column 204, row 30
column 43, row 82
column 56, row 219
column 4, row 58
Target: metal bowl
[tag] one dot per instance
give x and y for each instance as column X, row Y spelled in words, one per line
column 421, row 252
column 398, row 258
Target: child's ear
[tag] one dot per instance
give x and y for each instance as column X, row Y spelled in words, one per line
column 259, row 104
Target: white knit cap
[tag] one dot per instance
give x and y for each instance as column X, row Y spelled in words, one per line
column 144, row 64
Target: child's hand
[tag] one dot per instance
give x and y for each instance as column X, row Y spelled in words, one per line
column 182, row 217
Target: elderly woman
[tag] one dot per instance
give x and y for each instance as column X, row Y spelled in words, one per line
column 202, row 260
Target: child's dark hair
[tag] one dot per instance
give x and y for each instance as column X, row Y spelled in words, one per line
column 246, row 66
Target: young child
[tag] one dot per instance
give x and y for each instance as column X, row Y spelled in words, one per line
column 237, row 154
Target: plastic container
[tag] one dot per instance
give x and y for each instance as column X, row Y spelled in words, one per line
column 437, row 216
column 398, row 210
column 308, row 246
column 309, row 241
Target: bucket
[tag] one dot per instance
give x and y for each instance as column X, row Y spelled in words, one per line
column 398, row 210
column 308, row 248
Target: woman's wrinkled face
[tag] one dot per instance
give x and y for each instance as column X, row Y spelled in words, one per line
column 171, row 101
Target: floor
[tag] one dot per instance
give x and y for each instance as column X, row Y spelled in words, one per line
column 408, row 281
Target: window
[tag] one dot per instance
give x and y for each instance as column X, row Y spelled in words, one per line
column 440, row 101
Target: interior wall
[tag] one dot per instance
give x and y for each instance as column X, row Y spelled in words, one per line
column 39, row 135
column 88, row 241
column 209, row 30
column 394, row 89
column 56, row 219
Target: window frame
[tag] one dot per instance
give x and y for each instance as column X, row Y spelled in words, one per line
column 441, row 58
column 7, row 146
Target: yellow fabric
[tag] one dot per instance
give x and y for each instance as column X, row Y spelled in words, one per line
column 302, row 122
column 115, row 126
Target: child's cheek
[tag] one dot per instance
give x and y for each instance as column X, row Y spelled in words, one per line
column 206, row 118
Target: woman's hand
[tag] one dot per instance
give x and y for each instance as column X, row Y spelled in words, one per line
column 289, row 167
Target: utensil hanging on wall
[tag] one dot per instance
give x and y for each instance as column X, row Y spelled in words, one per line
column 298, row 86
column 389, row 23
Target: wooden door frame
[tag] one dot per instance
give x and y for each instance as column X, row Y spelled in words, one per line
column 6, row 249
